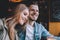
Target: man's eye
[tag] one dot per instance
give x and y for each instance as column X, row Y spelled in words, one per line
column 37, row 10
column 32, row 10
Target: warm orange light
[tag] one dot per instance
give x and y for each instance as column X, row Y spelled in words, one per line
column 15, row 0
column 54, row 28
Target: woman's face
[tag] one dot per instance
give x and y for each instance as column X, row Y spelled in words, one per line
column 23, row 16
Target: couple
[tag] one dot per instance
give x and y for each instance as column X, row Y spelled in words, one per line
column 22, row 25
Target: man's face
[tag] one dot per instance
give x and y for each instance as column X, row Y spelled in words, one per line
column 33, row 12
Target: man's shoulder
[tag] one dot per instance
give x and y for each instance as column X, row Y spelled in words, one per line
column 38, row 24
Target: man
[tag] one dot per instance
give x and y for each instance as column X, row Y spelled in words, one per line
column 35, row 31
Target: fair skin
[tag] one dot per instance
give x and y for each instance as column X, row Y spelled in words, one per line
column 21, row 18
column 33, row 15
column 51, row 38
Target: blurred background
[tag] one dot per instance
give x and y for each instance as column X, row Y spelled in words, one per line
column 49, row 13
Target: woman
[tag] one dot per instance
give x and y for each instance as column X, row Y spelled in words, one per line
column 7, row 26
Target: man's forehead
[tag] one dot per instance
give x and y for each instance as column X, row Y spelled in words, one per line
column 34, row 6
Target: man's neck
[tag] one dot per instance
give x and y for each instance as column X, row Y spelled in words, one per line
column 31, row 23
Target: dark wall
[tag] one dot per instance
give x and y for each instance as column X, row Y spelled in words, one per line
column 3, row 8
column 55, row 11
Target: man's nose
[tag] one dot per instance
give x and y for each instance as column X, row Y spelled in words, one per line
column 35, row 12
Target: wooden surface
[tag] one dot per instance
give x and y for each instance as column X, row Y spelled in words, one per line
column 54, row 28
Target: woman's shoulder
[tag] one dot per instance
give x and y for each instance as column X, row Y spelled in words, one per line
column 1, row 23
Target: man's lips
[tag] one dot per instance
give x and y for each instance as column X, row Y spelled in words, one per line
column 34, row 15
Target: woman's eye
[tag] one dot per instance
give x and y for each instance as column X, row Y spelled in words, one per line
column 25, row 13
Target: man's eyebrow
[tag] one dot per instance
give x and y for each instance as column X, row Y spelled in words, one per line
column 31, row 9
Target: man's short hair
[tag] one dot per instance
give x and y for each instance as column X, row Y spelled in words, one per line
column 30, row 2
column 33, row 3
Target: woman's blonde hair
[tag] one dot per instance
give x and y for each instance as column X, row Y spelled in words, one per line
column 20, row 7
